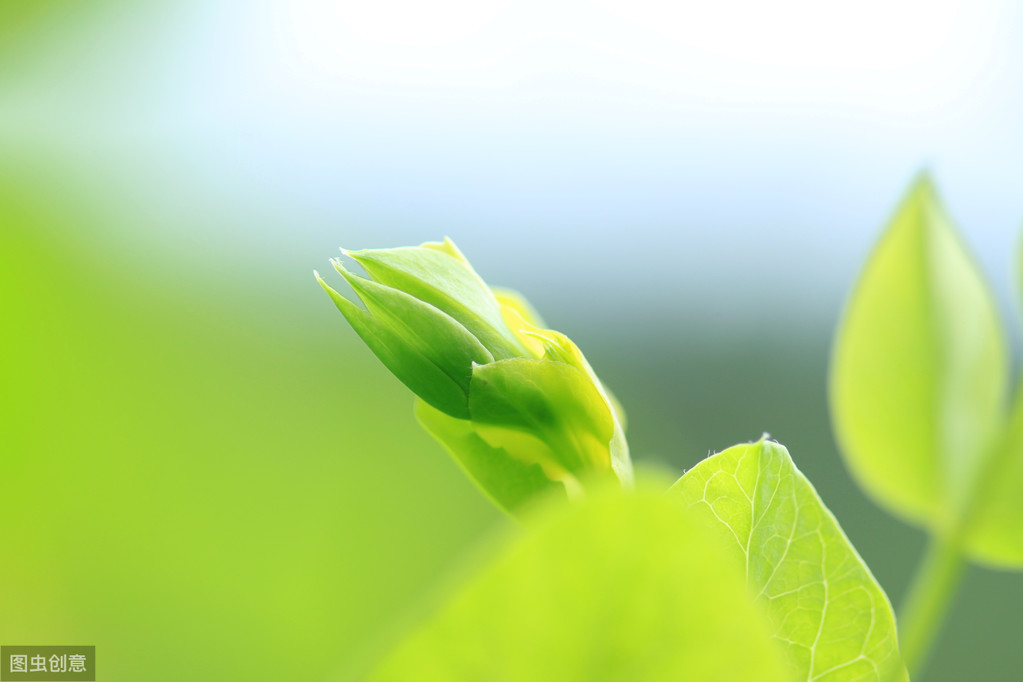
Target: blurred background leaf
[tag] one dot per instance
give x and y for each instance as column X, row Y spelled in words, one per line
column 599, row 592
column 196, row 453
column 919, row 379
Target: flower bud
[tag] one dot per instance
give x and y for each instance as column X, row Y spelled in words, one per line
column 518, row 406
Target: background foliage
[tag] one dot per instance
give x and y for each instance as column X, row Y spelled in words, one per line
column 197, row 456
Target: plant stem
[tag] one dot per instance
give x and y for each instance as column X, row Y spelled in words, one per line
column 930, row 594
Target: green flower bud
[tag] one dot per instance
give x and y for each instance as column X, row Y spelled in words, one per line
column 518, row 406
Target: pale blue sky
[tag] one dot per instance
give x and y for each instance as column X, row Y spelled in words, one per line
column 736, row 156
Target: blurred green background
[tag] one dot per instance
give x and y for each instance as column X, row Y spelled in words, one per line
column 206, row 475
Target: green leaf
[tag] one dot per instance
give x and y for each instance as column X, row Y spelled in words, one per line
column 441, row 276
column 546, row 412
column 425, row 348
column 510, row 482
column 918, row 374
column 824, row 606
column 552, row 409
column 623, row 588
column 560, row 348
column 994, row 530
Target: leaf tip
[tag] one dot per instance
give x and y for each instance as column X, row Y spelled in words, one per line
column 924, row 187
column 323, row 282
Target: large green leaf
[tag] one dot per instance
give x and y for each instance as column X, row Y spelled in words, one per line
column 825, row 607
column 623, row 588
column 919, row 371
